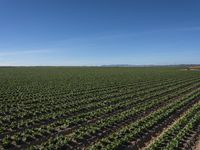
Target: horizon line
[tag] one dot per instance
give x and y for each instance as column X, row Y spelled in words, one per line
column 112, row 65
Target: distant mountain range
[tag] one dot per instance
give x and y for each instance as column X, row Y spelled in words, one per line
column 128, row 65
column 114, row 65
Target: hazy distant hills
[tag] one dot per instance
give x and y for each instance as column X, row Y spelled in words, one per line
column 128, row 65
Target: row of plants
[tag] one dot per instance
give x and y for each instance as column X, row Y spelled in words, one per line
column 100, row 104
column 101, row 125
column 44, row 130
column 135, row 129
column 171, row 139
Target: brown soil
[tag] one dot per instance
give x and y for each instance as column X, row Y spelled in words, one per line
column 195, row 68
column 154, row 139
column 197, row 147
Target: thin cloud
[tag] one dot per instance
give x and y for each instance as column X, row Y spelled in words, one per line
column 11, row 53
column 123, row 34
column 197, row 28
column 189, row 29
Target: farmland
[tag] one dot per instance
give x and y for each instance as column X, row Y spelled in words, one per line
column 99, row 108
column 195, row 68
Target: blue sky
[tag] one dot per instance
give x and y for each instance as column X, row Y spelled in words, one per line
column 99, row 32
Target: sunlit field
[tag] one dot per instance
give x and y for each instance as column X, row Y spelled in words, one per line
column 99, row 108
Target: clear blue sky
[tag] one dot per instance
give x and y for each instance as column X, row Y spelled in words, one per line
column 98, row 32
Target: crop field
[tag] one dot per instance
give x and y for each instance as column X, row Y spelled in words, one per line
column 98, row 108
column 195, row 68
